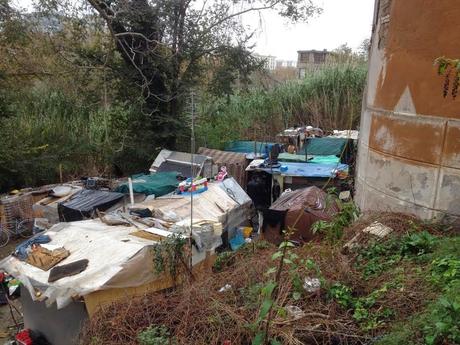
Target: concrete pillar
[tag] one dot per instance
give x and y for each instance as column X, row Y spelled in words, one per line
column 409, row 147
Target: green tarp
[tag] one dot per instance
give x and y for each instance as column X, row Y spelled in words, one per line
column 247, row 146
column 287, row 157
column 158, row 184
column 325, row 146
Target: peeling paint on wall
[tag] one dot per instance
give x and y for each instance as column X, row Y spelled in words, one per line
column 409, row 149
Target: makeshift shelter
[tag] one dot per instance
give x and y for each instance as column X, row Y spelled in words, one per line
column 296, row 136
column 157, row 184
column 330, row 146
column 47, row 207
column 225, row 202
column 297, row 210
column 120, row 264
column 174, row 161
column 83, row 205
column 235, row 163
column 298, row 175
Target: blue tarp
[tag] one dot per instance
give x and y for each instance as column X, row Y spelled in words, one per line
column 307, row 169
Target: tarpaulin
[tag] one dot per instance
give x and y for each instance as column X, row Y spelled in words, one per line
column 84, row 203
column 157, row 184
column 303, row 169
column 325, row 146
column 288, row 157
column 310, row 204
column 116, row 259
column 249, row 147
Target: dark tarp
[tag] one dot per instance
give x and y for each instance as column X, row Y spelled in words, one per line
column 248, row 147
column 312, row 204
column 158, row 184
column 326, row 146
column 178, row 167
column 84, row 203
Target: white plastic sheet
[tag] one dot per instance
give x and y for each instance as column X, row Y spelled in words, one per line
column 116, row 259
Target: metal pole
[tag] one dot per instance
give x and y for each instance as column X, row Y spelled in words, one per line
column 192, row 152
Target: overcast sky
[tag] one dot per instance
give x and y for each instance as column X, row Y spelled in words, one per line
column 342, row 21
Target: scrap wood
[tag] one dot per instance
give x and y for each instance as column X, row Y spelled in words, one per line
column 147, row 235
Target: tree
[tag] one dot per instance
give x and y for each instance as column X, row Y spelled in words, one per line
column 168, row 43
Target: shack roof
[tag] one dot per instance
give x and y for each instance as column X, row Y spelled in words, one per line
column 113, row 254
column 169, row 161
column 225, row 202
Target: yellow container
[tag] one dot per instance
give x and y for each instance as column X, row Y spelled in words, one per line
column 247, row 230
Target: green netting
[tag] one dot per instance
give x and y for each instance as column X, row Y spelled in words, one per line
column 325, row 146
column 158, row 184
column 247, row 146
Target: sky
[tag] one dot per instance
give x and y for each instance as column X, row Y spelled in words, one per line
column 342, row 21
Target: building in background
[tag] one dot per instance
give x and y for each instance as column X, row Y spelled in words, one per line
column 409, row 145
column 311, row 60
column 269, row 61
column 286, row 64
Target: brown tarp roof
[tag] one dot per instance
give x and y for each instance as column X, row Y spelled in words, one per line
column 308, row 205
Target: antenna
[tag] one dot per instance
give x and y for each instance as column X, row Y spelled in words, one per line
column 192, row 168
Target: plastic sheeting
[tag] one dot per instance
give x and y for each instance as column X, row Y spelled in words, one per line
column 302, row 169
column 225, row 202
column 288, row 157
column 249, row 147
column 116, row 260
column 84, row 203
column 157, row 184
column 325, row 146
column 310, row 204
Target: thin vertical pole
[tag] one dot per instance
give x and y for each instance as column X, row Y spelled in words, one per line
column 192, row 167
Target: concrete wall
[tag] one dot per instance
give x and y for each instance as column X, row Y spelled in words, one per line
column 409, row 148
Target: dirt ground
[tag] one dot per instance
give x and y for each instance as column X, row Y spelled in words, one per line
column 7, row 324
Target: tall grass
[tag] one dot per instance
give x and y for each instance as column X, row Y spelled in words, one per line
column 329, row 98
column 49, row 132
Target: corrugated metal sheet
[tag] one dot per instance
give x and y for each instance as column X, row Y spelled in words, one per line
column 236, row 163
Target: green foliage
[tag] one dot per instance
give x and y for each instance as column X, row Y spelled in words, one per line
column 169, row 254
column 380, row 256
column 450, row 69
column 362, row 307
column 329, row 98
column 446, row 269
column 333, row 230
column 342, row 294
column 444, row 318
column 439, row 322
column 223, row 260
column 156, row 335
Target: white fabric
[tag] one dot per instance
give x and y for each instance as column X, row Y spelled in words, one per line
column 111, row 251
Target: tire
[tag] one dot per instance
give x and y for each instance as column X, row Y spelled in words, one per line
column 4, row 237
column 25, row 228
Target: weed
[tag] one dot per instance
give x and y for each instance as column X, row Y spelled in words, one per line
column 333, row 230
column 380, row 256
column 156, row 335
column 223, row 260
